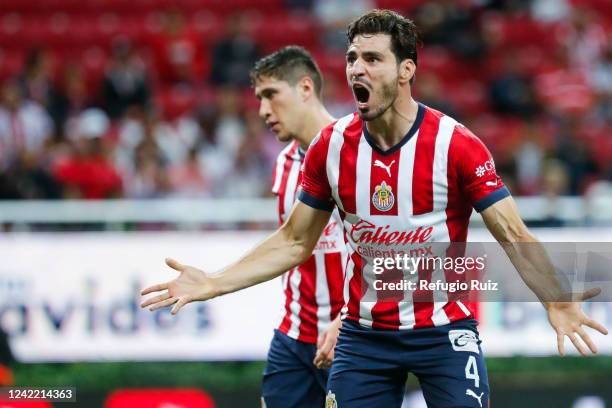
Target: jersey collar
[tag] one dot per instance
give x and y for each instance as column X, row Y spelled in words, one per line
column 413, row 129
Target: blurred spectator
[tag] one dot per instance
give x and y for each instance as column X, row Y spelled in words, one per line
column 252, row 167
column 583, row 37
column 72, row 97
column 334, row 16
column 234, row 54
column 564, row 89
column 511, row 91
column 333, row 95
column 450, row 23
column 24, row 127
column 88, row 172
column 148, row 177
column 230, row 123
column 187, row 178
column 125, row 83
column 216, row 161
column 601, row 75
column 36, row 79
column 529, row 157
column 576, row 155
column 178, row 51
column 428, row 90
column 554, row 185
column 550, row 10
column 299, row 5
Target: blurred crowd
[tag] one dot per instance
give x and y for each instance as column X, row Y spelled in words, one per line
column 166, row 110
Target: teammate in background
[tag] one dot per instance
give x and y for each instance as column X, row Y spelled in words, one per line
column 288, row 84
column 401, row 175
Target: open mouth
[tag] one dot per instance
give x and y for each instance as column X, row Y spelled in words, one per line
column 362, row 94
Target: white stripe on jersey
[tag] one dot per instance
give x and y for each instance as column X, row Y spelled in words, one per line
column 295, row 306
column 350, row 266
column 404, row 212
column 440, row 201
column 294, row 172
column 333, row 156
column 362, row 206
column 322, row 294
column 280, row 165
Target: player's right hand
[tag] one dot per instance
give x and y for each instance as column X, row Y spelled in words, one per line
column 191, row 285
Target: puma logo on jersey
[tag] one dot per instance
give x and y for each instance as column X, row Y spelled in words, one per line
column 473, row 394
column 378, row 163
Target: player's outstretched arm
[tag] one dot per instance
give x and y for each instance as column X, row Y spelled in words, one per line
column 289, row 246
column 533, row 265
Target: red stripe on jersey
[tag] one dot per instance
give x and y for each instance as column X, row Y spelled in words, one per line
column 282, row 190
column 285, row 325
column 422, row 186
column 454, row 312
column 458, row 209
column 385, row 315
column 423, row 301
column 347, row 174
column 356, row 287
column 307, row 300
column 335, row 281
column 457, row 220
column 384, row 168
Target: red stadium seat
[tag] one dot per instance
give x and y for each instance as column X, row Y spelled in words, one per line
column 276, row 31
column 406, row 6
column 23, row 404
column 159, row 398
column 469, row 97
column 332, row 63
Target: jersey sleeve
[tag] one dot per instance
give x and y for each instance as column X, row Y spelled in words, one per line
column 315, row 190
column 476, row 174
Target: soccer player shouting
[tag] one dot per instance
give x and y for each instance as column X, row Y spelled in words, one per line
column 401, row 175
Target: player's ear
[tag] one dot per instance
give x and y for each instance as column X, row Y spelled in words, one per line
column 306, row 87
column 407, row 68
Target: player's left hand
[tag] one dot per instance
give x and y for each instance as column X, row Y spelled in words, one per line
column 326, row 344
column 567, row 319
column 191, row 285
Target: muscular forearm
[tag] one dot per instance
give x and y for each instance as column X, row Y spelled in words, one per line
column 277, row 254
column 535, row 268
column 525, row 252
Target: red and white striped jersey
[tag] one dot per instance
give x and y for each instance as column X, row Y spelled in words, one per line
column 418, row 192
column 314, row 289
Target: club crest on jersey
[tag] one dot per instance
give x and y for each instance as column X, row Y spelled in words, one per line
column 383, row 198
column 330, row 400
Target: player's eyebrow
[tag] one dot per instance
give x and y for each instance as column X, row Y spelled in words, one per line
column 372, row 54
column 365, row 54
column 265, row 93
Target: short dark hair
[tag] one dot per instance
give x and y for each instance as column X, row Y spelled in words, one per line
column 403, row 31
column 289, row 64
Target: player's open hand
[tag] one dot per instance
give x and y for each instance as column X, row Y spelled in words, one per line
column 192, row 284
column 326, row 344
column 567, row 318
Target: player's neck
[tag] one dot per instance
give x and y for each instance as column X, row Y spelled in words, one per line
column 391, row 127
column 315, row 119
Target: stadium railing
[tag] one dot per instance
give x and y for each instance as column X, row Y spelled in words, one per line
column 260, row 213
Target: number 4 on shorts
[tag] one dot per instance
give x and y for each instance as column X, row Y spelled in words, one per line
column 471, row 371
